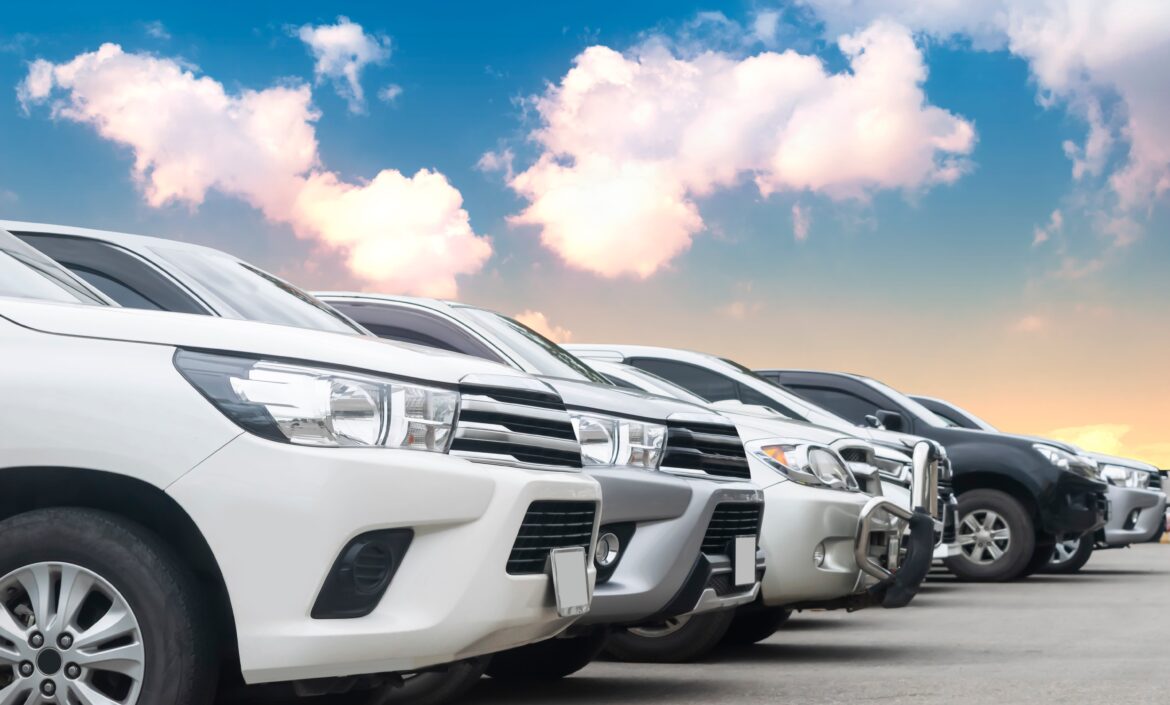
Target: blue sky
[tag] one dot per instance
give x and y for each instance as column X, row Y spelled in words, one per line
column 954, row 260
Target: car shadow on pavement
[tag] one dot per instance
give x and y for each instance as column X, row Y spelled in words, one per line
column 790, row 654
column 586, row 689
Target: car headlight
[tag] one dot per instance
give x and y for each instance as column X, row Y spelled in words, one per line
column 318, row 406
column 817, row 466
column 1068, row 461
column 1125, row 477
column 613, row 441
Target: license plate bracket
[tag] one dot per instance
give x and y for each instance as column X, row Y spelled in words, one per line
column 743, row 561
column 570, row 579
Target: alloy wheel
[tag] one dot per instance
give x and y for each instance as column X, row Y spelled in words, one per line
column 984, row 536
column 1065, row 549
column 67, row 637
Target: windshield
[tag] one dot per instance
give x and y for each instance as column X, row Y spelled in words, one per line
column 540, row 353
column 801, row 408
column 908, row 404
column 239, row 290
column 654, row 384
column 28, row 274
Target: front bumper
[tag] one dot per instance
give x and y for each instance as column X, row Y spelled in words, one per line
column 1134, row 515
column 807, row 520
column 276, row 516
column 1073, row 505
column 657, row 572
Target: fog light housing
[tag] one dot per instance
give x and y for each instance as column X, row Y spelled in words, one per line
column 609, row 547
column 819, row 555
column 361, row 573
column 1132, row 520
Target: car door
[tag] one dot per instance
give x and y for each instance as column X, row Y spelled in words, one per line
column 846, row 397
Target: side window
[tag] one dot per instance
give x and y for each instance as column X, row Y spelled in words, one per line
column 712, row 386
column 843, row 404
column 407, row 325
column 117, row 273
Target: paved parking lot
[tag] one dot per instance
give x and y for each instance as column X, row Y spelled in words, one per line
column 1099, row 637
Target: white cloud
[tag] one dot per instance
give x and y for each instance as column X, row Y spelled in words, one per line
column 157, row 30
column 740, row 310
column 801, row 220
column 1043, row 233
column 765, row 26
column 188, row 135
column 1104, row 59
column 631, row 141
column 341, row 51
column 390, row 93
column 538, row 322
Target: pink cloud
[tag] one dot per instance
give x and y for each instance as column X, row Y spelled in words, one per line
column 538, row 322
column 630, row 141
column 189, row 135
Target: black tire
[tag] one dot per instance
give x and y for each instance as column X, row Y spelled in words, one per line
column 695, row 638
column 179, row 666
column 548, row 660
column 752, row 626
column 1041, row 555
column 1079, row 558
column 433, row 687
column 1019, row 548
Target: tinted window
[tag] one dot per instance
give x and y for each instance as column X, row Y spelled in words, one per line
column 239, row 290
column 712, row 386
column 750, row 396
column 844, row 404
column 410, row 325
column 26, row 273
column 540, row 353
column 116, row 290
column 116, row 272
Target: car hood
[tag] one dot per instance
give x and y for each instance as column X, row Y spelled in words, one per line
column 753, row 427
column 606, row 399
column 259, row 339
column 1124, row 462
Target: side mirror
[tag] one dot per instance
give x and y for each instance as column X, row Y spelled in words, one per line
column 891, row 420
column 872, row 421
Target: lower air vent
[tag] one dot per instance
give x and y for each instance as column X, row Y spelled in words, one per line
column 731, row 519
column 549, row 525
column 711, row 448
column 515, row 427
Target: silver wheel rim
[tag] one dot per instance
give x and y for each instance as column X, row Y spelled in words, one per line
column 1065, row 550
column 984, row 536
column 666, row 628
column 67, row 637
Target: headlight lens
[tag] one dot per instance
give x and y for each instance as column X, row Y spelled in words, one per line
column 613, row 441
column 322, row 407
column 1068, row 461
column 812, row 465
column 1125, row 477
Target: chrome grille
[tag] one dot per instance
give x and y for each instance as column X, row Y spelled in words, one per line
column 549, row 525
column 715, row 449
column 515, row 427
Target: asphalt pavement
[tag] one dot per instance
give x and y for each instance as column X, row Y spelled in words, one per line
column 1100, row 637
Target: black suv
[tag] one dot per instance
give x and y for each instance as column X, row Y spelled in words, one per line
column 1017, row 495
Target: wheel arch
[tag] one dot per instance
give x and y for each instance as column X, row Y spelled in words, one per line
column 24, row 489
column 986, row 480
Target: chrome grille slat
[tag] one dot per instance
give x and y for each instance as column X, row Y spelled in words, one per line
column 517, row 427
column 711, row 448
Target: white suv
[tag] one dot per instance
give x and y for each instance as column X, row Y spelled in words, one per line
column 174, row 486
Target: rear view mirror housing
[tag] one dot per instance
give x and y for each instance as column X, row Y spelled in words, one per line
column 891, row 420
